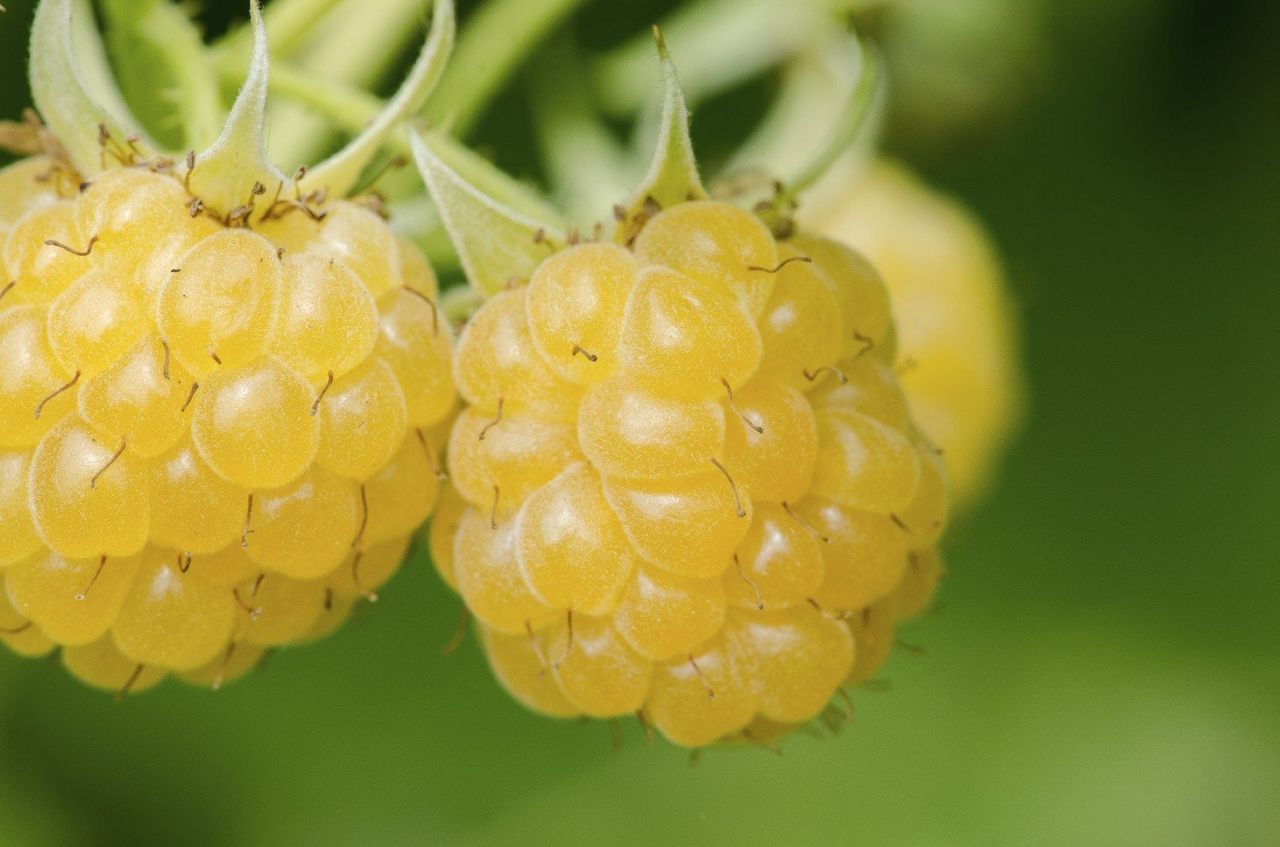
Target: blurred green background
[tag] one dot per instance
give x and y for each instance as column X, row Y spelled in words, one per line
column 1105, row 664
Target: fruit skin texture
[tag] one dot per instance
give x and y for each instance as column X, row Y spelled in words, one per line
column 954, row 314
column 684, row 477
column 213, row 440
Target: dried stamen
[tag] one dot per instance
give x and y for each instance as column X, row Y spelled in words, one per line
column 190, row 396
column 371, row 596
column 746, row 420
column 93, row 483
column 315, row 407
column 786, row 507
column 589, row 356
column 102, row 563
column 813, row 375
column 737, row 563
column 50, row 242
column 431, row 459
column 493, row 513
column 165, row 345
column 130, row 683
column 737, row 499
column 364, row 516
column 248, row 518
column 56, row 392
column 221, row 676
column 492, row 423
column 435, row 313
column 780, row 265
column 711, row 694
column 17, row 630
column 7, row 288
column 254, row 612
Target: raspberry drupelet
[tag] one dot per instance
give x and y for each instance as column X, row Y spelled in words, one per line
column 685, row 482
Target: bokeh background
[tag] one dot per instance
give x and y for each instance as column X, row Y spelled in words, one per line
column 1104, row 667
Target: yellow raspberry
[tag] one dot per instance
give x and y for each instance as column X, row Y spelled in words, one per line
column 957, row 335
column 214, row 439
column 684, row 479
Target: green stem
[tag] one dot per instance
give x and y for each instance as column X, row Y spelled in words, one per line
column 494, row 41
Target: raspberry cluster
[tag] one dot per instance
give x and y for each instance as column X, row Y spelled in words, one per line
column 215, row 438
column 685, row 482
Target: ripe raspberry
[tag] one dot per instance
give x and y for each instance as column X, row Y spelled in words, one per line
column 685, row 481
column 213, row 439
column 958, row 338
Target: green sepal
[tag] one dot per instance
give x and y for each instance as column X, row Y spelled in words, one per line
column 72, row 89
column 673, row 172
column 341, row 172
column 231, row 174
column 501, row 232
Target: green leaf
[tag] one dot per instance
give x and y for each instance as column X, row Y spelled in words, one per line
column 341, row 172
column 673, row 171
column 229, row 175
column 500, row 232
column 62, row 35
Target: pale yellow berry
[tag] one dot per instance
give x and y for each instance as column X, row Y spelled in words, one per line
column 41, row 270
column 444, row 527
column 628, row 431
column 576, row 301
column 684, row 336
column 192, row 508
column 596, row 670
column 239, row 659
column 926, row 516
column 504, row 462
column 569, row 545
column 362, row 421
column 220, row 308
column 688, row 526
column 415, row 340
column 253, row 424
column 874, row 635
column 25, row 185
column 716, row 243
column 794, row 659
column 864, row 463
column 662, row 615
column 777, row 565
column 95, row 321
column 306, row 529
column 869, row 387
column 399, row 497
column 361, row 241
column 496, row 360
column 328, row 321
column 278, row 610
column 19, row 633
column 89, row 497
column 700, row 698
column 415, row 270
column 489, row 579
column 35, row 391
column 772, row 441
column 143, row 399
column 864, row 553
column 18, row 538
column 521, row 668
column 225, row 568
column 801, row 327
column 860, row 292
column 173, row 619
column 74, row 601
column 367, row 570
column 102, row 665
